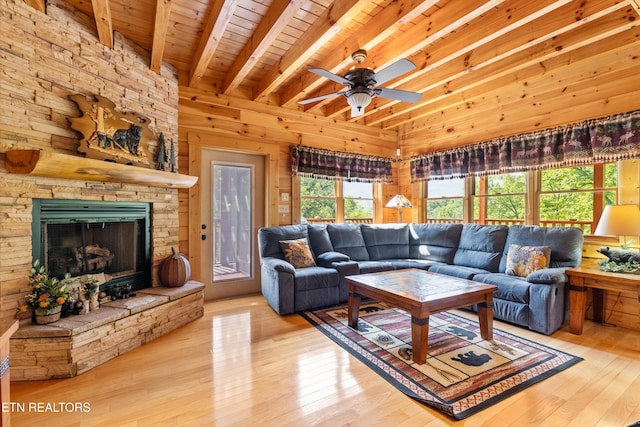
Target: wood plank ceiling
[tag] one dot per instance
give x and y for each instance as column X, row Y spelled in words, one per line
column 465, row 50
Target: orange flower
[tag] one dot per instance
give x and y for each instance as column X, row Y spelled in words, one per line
column 44, row 304
column 60, row 300
column 43, row 296
column 23, row 308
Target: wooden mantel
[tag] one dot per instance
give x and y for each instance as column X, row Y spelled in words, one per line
column 56, row 165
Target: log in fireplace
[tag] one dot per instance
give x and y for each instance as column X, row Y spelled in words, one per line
column 91, row 237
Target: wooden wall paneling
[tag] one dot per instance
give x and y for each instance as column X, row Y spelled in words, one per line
column 194, row 217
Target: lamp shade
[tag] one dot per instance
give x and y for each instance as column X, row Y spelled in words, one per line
column 619, row 220
column 399, row 201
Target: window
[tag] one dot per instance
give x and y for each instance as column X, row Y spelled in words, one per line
column 323, row 200
column 500, row 199
column 445, row 200
column 566, row 197
column 576, row 196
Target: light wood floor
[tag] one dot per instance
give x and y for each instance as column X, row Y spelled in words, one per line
column 242, row 365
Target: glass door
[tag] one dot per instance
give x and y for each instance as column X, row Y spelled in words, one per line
column 232, row 211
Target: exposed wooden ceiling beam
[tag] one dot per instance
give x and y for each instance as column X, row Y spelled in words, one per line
column 392, row 17
column 460, row 45
column 553, row 44
column 636, row 5
column 538, row 54
column 330, row 23
column 217, row 24
column 163, row 10
column 278, row 16
column 102, row 14
column 450, row 18
column 37, row 4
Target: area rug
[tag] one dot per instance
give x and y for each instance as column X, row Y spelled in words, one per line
column 463, row 375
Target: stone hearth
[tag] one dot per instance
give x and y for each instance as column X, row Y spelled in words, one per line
column 76, row 344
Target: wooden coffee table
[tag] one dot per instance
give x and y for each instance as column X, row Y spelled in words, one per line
column 421, row 293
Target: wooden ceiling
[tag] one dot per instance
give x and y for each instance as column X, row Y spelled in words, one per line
column 466, row 51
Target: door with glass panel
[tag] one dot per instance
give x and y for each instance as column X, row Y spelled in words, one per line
column 232, row 211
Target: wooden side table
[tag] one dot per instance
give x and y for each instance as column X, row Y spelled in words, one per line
column 600, row 282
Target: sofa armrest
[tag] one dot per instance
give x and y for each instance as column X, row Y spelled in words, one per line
column 326, row 259
column 548, row 276
column 278, row 264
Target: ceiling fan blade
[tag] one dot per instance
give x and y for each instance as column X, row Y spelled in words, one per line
column 394, row 70
column 319, row 98
column 398, row 95
column 328, row 74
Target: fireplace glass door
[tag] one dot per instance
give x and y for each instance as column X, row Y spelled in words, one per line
column 94, row 237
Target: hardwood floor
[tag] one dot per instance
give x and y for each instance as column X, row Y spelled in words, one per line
column 243, row 365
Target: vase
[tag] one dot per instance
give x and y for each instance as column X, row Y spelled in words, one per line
column 47, row 315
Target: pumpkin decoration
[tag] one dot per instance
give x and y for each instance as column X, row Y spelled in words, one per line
column 175, row 270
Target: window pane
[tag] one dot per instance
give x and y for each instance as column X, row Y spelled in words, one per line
column 358, row 209
column 575, row 178
column 232, row 221
column 503, row 184
column 318, row 208
column 444, row 209
column 567, row 209
column 317, row 187
column 362, row 190
column 500, row 210
column 611, row 176
column 445, row 188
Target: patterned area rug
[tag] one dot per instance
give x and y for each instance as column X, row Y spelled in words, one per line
column 464, row 374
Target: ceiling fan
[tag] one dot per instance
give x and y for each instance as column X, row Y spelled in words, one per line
column 361, row 82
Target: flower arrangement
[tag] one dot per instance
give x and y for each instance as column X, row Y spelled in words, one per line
column 47, row 293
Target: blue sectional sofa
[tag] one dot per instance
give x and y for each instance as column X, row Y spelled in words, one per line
column 533, row 299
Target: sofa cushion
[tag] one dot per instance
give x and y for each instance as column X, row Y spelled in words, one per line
column 386, row 241
column 422, row 264
column 436, row 242
column 316, row 278
column 319, row 239
column 481, row 246
column 524, row 260
column 565, row 242
column 347, row 239
column 297, row 253
column 269, row 238
column 373, row 266
column 510, row 288
column 460, row 271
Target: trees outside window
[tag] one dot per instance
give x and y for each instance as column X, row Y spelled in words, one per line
column 445, row 200
column 500, row 199
column 572, row 196
column 323, row 200
column 577, row 195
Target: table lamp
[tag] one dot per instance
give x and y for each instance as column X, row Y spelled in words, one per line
column 619, row 220
column 399, row 201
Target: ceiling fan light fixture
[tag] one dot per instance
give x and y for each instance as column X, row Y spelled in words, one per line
column 359, row 100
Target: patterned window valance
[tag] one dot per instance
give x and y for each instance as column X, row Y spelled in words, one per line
column 319, row 163
column 600, row 140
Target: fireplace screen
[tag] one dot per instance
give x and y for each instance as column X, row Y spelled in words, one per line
column 78, row 238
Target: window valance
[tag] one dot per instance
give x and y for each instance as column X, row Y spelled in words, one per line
column 335, row 165
column 607, row 139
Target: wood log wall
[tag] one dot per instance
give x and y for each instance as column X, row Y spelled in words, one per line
column 43, row 60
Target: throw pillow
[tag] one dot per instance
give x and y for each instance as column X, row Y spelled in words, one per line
column 523, row 260
column 297, row 253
